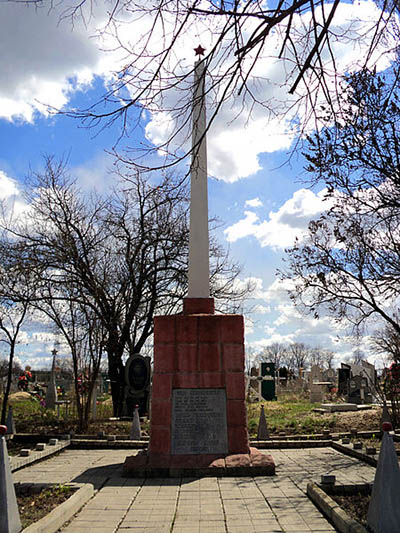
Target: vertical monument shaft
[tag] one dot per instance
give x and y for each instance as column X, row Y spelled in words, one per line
column 199, row 269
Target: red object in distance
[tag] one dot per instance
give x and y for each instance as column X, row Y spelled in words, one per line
column 387, row 426
column 3, row 430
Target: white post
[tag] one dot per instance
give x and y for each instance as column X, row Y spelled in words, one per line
column 199, row 270
column 9, row 515
column 51, row 393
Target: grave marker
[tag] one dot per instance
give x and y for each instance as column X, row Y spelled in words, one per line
column 262, row 430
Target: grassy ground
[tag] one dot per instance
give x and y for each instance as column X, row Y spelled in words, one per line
column 34, row 507
column 291, row 414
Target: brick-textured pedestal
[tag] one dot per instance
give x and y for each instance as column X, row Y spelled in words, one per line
column 199, row 350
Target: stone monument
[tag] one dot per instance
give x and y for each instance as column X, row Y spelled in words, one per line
column 316, row 394
column 198, row 412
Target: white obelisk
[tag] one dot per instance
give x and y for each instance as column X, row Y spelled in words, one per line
column 199, row 269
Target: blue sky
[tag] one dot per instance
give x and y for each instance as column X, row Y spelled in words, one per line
column 262, row 204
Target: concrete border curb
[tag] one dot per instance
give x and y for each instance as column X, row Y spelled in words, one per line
column 64, row 512
column 18, row 462
column 371, row 460
column 341, row 520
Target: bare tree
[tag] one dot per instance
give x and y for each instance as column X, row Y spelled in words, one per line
column 86, row 338
column 386, row 341
column 301, row 34
column 122, row 258
column 321, row 357
column 298, row 356
column 17, row 287
column 275, row 353
column 349, row 264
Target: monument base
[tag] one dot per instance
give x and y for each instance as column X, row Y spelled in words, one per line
column 251, row 464
column 198, row 424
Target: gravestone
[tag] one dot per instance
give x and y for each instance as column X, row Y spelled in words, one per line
column 10, row 423
column 316, row 394
column 267, row 372
column 136, row 433
column 262, row 381
column 94, row 400
column 359, row 392
column 344, row 374
column 385, row 415
column 137, row 384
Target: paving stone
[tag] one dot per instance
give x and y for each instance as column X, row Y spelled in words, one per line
column 249, row 504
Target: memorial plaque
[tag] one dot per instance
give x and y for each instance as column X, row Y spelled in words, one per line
column 199, row 421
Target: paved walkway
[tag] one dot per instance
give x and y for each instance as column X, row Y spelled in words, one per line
column 208, row 505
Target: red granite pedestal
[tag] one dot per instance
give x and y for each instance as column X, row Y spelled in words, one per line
column 199, row 350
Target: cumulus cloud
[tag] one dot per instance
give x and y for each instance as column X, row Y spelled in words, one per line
column 283, row 226
column 255, row 202
column 280, row 321
column 45, row 61
column 95, row 174
column 8, row 186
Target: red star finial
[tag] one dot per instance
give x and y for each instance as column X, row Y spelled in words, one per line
column 199, row 50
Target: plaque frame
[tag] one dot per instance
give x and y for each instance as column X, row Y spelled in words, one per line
column 199, row 421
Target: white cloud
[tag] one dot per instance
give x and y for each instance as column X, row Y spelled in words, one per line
column 255, row 202
column 95, row 174
column 285, row 324
column 248, row 325
column 283, row 226
column 278, row 290
column 8, row 186
column 261, row 309
column 241, row 130
column 45, row 61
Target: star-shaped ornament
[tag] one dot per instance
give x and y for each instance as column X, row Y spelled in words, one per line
column 199, row 50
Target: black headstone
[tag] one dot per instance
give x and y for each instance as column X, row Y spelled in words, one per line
column 137, row 384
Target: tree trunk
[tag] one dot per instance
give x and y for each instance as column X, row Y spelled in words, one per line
column 116, row 375
column 8, row 385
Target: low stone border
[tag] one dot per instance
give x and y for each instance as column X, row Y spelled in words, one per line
column 65, row 511
column 104, row 443
column 18, row 462
column 354, row 453
column 341, row 520
column 281, row 444
column 105, row 436
column 322, row 436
